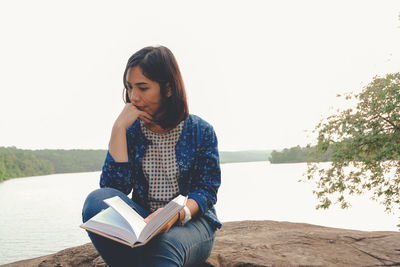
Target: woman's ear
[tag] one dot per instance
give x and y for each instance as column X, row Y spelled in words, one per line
column 169, row 91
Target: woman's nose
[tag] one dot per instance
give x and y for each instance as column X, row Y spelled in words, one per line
column 134, row 96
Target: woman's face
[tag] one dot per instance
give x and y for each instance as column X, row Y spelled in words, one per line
column 144, row 93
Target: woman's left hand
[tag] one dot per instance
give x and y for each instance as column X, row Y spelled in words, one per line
column 166, row 227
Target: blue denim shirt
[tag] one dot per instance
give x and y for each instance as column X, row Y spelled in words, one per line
column 198, row 163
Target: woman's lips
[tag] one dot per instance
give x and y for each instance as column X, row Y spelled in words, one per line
column 141, row 108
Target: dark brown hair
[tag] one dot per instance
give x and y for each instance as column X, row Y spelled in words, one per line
column 159, row 65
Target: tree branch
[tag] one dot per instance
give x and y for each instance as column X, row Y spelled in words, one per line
column 390, row 122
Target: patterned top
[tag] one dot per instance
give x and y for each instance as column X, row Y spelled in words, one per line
column 198, row 162
column 160, row 167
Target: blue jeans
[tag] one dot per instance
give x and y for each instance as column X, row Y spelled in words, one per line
column 187, row 245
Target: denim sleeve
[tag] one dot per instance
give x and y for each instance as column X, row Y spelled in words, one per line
column 205, row 187
column 116, row 175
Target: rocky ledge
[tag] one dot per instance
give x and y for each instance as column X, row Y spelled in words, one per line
column 268, row 243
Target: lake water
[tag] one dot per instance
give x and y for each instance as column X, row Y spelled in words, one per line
column 41, row 215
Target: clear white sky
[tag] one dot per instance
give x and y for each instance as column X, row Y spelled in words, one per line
column 261, row 72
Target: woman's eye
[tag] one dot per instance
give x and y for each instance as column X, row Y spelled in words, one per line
column 142, row 88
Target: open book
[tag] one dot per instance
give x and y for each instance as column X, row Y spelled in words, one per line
column 123, row 224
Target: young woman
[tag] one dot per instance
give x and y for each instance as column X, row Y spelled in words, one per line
column 158, row 150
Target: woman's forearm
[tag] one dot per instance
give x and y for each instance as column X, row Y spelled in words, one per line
column 118, row 146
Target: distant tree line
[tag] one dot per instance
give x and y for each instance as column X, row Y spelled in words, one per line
column 244, row 156
column 21, row 163
column 16, row 162
column 299, row 154
column 75, row 160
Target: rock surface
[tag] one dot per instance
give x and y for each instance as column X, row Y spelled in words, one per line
column 268, row 243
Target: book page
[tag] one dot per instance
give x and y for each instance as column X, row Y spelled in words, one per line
column 131, row 216
column 110, row 216
column 110, row 222
column 166, row 214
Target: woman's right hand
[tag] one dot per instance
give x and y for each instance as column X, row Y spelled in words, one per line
column 118, row 145
column 129, row 115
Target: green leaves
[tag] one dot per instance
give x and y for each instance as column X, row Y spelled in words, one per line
column 365, row 145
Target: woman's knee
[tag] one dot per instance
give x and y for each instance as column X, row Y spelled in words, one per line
column 178, row 249
column 165, row 250
column 94, row 202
